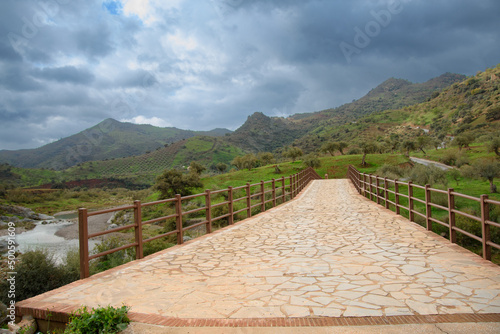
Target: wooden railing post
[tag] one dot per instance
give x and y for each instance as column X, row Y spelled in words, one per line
column 451, row 215
column 371, row 187
column 249, row 201
column 83, row 231
column 139, row 253
column 283, row 188
column 230, row 205
column 274, row 192
column 410, row 201
column 386, row 193
column 428, row 208
column 364, row 184
column 178, row 219
column 263, row 197
column 485, row 216
column 396, row 193
column 208, row 210
column 326, row 176
column 377, row 186
column 291, row 186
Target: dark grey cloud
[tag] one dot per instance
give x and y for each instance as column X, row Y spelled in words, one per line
column 66, row 65
column 65, row 74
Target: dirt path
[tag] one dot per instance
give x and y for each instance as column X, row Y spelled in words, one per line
column 426, row 162
column 96, row 224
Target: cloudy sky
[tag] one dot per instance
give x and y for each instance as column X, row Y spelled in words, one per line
column 65, row 65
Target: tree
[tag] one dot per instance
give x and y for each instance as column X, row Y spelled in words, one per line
column 366, row 148
column 249, row 161
column 238, row 162
column 493, row 114
column 408, row 145
column 422, row 142
column 312, row 160
column 221, row 167
column 173, row 181
column 196, row 167
column 393, row 142
column 463, row 140
column 266, row 158
column 489, row 170
column 494, row 145
column 329, row 147
column 341, row 146
column 293, row 153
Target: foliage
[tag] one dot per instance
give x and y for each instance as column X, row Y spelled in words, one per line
column 493, row 113
column 329, row 147
column 221, row 167
column 37, row 272
column 312, row 160
column 154, row 246
column 409, row 145
column 423, row 142
column 390, row 171
column 102, row 320
column 431, row 175
column 341, row 146
column 463, row 140
column 112, row 260
column 265, row 158
column 173, row 182
column 196, row 167
column 494, row 145
column 366, row 148
column 489, row 170
column 293, row 153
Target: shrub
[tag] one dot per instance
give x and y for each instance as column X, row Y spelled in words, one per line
column 312, row 160
column 422, row 175
column 154, row 246
column 98, row 320
column 390, row 171
column 114, row 259
column 462, row 160
column 449, row 158
column 37, row 272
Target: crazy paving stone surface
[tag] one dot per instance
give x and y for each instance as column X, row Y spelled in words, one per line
column 330, row 252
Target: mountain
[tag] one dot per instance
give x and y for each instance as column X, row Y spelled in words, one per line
column 262, row 133
column 390, row 94
column 468, row 106
column 108, row 139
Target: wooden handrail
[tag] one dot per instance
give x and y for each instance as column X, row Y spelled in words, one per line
column 298, row 181
column 364, row 187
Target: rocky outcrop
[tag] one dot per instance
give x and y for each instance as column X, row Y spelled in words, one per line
column 19, row 211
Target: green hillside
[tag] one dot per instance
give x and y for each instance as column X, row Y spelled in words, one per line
column 471, row 106
column 262, row 133
column 136, row 170
column 107, row 140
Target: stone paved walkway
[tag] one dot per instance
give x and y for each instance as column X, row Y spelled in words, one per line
column 328, row 253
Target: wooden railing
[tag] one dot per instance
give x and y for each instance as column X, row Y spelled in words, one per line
column 278, row 191
column 382, row 190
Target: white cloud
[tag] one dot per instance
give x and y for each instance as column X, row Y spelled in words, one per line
column 149, row 11
column 156, row 121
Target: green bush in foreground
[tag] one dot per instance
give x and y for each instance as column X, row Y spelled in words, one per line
column 103, row 320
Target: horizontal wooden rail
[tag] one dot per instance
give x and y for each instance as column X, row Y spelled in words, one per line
column 271, row 191
column 366, row 183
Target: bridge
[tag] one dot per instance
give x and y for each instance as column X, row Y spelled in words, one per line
column 328, row 257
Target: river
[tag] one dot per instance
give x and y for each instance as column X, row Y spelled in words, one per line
column 57, row 236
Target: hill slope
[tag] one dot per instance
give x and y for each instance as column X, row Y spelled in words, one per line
column 108, row 139
column 263, row 133
column 470, row 106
